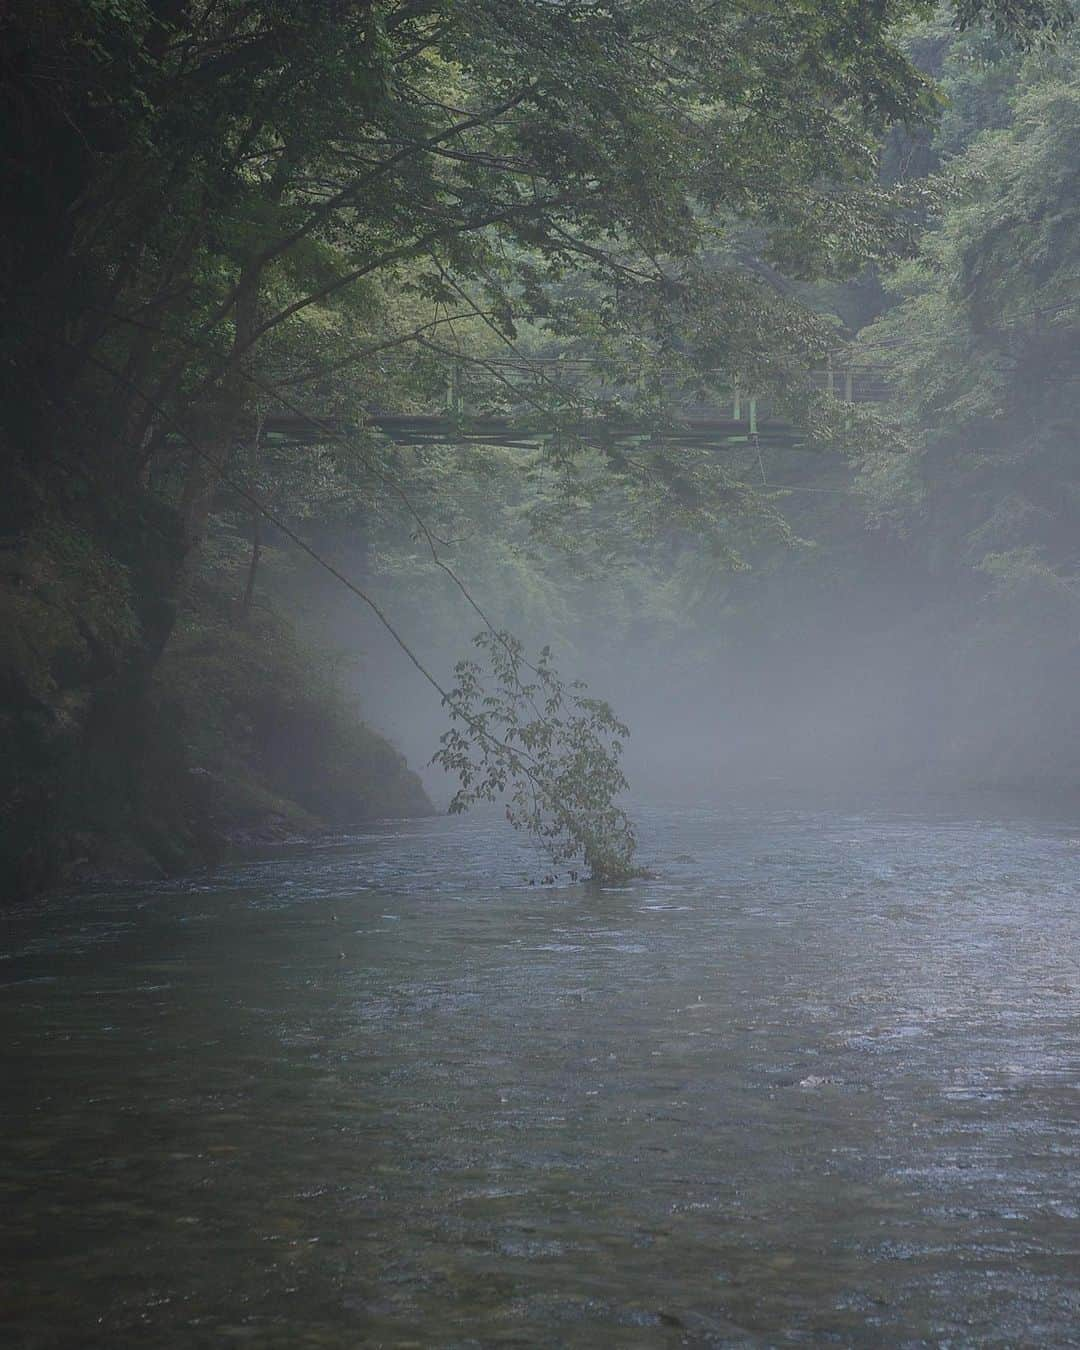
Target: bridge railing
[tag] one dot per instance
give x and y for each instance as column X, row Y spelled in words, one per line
column 852, row 383
column 542, row 381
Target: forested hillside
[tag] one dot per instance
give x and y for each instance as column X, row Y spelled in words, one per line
column 237, row 234
column 903, row 612
column 979, row 341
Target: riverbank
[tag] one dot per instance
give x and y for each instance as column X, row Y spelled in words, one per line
column 144, row 743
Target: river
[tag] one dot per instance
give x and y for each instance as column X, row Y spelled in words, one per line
column 816, row 1083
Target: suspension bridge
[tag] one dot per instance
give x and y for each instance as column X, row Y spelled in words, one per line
column 539, row 397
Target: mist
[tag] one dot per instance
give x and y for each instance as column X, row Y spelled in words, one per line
column 794, row 678
column 539, row 674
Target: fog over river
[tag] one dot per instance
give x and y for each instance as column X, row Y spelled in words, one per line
column 815, row 1083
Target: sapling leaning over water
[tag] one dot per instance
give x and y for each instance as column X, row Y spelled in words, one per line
column 520, row 733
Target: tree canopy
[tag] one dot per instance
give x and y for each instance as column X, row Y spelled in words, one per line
column 226, row 208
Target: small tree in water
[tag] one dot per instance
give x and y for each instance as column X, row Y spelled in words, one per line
column 521, row 733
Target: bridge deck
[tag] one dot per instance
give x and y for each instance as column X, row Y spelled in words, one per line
column 520, row 433
column 743, row 424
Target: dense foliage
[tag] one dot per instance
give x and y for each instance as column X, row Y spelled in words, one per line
column 980, row 342
column 226, row 210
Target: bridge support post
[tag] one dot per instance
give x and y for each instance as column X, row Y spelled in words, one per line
column 454, row 398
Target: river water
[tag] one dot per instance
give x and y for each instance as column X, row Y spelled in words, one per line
column 815, row 1084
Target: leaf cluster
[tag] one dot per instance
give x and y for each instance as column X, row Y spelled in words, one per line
column 522, row 734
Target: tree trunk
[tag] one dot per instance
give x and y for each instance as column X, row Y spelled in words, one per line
column 217, row 423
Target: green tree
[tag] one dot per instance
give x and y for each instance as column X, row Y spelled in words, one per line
column 216, row 202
